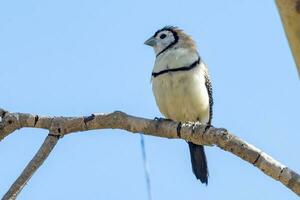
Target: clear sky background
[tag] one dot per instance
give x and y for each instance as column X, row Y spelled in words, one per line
column 79, row 57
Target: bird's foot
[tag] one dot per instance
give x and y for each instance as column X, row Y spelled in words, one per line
column 208, row 126
column 179, row 129
column 161, row 119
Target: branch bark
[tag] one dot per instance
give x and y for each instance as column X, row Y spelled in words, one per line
column 31, row 168
column 289, row 11
column 193, row 132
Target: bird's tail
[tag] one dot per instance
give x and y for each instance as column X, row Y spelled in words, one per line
column 199, row 163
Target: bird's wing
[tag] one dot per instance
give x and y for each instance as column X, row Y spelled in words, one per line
column 210, row 95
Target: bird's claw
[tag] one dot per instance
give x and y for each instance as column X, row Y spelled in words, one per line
column 208, row 126
column 160, row 119
column 179, row 129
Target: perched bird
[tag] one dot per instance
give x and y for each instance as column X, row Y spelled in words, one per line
column 181, row 86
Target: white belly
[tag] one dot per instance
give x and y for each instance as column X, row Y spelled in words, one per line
column 182, row 96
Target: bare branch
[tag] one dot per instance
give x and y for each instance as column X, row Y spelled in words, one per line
column 289, row 11
column 193, row 132
column 31, row 168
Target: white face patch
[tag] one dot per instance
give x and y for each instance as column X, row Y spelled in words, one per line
column 163, row 40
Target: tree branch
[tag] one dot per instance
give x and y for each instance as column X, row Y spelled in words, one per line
column 31, row 168
column 193, row 132
column 289, row 11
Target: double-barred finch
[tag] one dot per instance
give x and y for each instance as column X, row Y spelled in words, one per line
column 181, row 86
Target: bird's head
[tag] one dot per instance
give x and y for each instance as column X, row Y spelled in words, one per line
column 169, row 37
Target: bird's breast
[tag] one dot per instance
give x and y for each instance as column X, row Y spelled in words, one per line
column 182, row 95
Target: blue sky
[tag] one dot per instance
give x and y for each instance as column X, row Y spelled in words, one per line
column 80, row 57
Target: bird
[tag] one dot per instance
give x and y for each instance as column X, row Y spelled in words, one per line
column 182, row 87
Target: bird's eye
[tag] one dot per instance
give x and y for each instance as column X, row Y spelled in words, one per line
column 162, row 36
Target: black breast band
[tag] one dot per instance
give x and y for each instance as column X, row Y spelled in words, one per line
column 185, row 68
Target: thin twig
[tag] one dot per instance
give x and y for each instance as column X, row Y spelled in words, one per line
column 146, row 168
column 31, row 168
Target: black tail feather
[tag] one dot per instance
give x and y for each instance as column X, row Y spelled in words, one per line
column 199, row 163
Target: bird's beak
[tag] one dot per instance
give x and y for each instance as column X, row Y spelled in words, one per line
column 151, row 41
